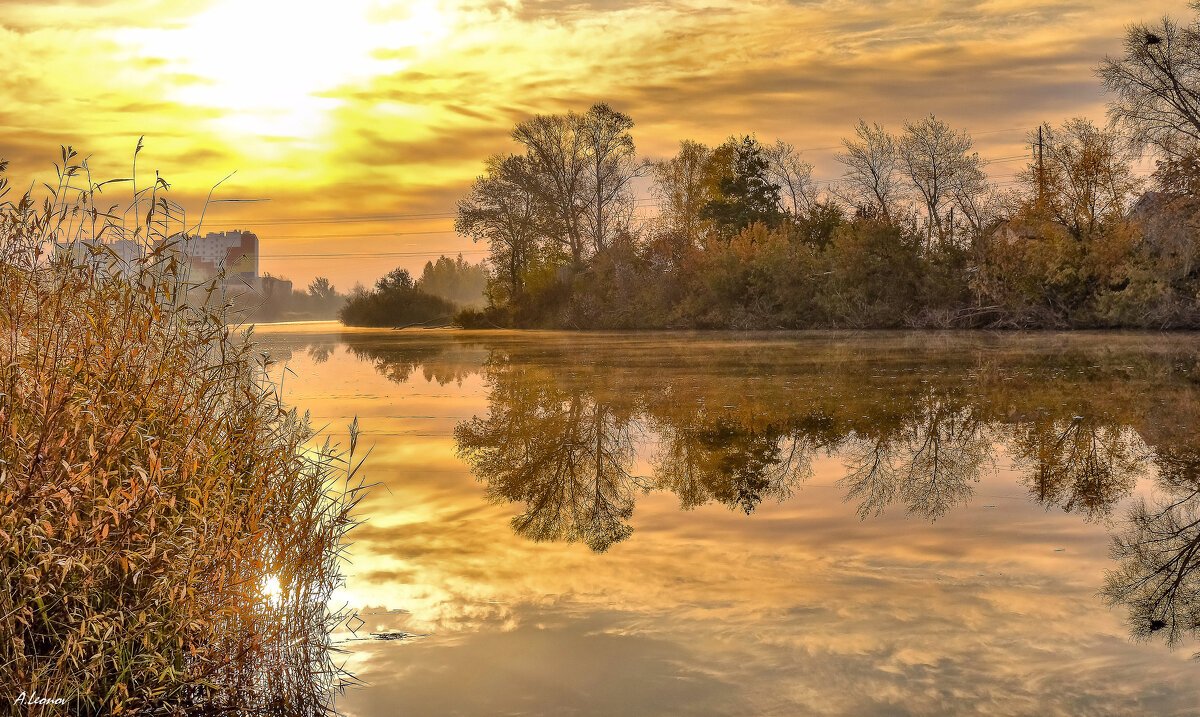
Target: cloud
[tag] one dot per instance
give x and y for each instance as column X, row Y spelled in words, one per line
column 399, row 118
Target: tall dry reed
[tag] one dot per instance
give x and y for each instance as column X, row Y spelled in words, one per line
column 153, row 486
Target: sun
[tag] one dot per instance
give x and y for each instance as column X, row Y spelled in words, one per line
column 269, row 68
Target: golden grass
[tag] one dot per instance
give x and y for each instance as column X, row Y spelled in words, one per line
column 151, row 480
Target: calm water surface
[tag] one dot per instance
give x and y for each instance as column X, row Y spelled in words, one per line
column 827, row 524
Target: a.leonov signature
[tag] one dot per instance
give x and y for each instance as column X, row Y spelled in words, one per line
column 33, row 699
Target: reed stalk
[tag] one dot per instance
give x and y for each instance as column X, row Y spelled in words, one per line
column 153, row 485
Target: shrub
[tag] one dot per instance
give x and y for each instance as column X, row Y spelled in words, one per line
column 151, row 482
column 396, row 302
column 877, row 274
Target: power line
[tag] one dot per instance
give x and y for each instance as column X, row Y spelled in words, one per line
column 370, row 255
column 360, row 234
column 967, row 130
column 345, row 218
column 356, row 218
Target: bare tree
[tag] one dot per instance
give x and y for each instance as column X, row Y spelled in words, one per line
column 972, row 194
column 1157, row 85
column 935, row 160
column 556, row 150
column 872, row 177
column 793, row 175
column 611, row 166
column 585, row 163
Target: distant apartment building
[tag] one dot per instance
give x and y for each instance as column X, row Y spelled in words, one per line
column 234, row 252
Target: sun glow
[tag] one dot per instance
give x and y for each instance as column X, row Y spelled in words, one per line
column 270, row 68
column 272, row 590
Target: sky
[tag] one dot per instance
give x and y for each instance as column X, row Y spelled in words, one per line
column 361, row 123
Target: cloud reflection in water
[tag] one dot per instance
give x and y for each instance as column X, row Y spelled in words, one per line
column 768, row 592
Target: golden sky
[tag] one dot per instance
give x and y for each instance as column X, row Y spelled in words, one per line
column 362, row 122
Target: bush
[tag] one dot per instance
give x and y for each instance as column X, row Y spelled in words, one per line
column 877, row 275
column 396, row 302
column 152, row 486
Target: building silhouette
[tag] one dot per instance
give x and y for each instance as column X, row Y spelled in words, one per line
column 233, row 255
column 234, row 252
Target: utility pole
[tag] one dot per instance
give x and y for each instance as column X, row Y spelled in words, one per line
column 1041, row 172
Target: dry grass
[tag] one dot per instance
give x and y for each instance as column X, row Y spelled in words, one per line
column 151, row 480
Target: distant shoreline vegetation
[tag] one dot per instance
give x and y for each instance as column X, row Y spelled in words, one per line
column 444, row 288
column 913, row 235
column 434, row 299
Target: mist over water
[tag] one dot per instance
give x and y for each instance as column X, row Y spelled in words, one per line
column 812, row 523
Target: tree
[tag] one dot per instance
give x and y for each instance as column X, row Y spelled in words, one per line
column 684, row 186
column 1086, row 174
column 1157, row 85
column 936, row 162
column 396, row 302
column 975, row 198
column 397, row 279
column 506, row 209
column 584, row 164
column 455, row 280
column 321, row 289
column 794, row 177
column 612, row 165
column 745, row 192
column 1179, row 173
column 872, row 177
column 557, row 162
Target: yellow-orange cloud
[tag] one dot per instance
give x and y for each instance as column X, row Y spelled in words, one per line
column 362, row 121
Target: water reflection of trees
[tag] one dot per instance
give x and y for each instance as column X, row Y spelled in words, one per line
column 1157, row 549
column 930, row 463
column 739, row 465
column 564, row 432
column 568, row 430
column 564, row 454
column 438, row 360
column 396, row 357
column 1081, row 464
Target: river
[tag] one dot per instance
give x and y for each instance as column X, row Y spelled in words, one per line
column 765, row 524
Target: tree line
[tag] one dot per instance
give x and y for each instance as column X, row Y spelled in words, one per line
column 913, row 234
